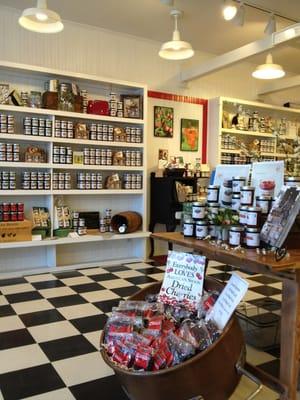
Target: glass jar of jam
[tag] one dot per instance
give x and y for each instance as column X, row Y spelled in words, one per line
column 213, row 192
column 237, row 183
column 198, row 210
column 243, row 215
column 252, row 238
column 253, row 217
column 265, row 204
column 236, row 236
column 201, row 229
column 213, row 208
column 188, row 227
column 236, row 201
column 292, row 181
column 247, row 195
column 227, row 192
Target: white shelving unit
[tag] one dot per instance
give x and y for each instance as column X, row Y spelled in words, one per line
column 53, row 252
column 217, row 131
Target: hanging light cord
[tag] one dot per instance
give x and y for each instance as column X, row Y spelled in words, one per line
column 266, row 10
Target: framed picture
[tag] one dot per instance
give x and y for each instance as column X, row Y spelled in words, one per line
column 132, row 106
column 189, row 134
column 163, row 122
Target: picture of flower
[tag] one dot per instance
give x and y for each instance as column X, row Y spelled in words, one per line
column 189, row 139
column 163, row 122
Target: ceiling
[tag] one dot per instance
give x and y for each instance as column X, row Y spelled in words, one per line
column 202, row 24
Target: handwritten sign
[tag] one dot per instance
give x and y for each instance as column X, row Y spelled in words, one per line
column 228, row 300
column 183, row 280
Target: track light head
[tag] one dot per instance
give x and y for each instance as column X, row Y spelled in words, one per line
column 229, row 10
column 239, row 18
column 271, row 25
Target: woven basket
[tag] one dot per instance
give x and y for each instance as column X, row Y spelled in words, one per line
column 132, row 219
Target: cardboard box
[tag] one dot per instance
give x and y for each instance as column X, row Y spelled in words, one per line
column 15, row 231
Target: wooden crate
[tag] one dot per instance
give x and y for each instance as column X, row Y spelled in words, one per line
column 15, row 231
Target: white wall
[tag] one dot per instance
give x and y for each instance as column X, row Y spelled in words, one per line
column 91, row 50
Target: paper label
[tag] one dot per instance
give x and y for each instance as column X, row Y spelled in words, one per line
column 183, row 280
column 228, row 300
column 73, row 235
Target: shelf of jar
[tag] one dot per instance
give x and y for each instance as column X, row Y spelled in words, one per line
column 264, row 154
column 77, row 192
column 50, row 139
column 250, row 133
column 96, row 167
column 70, row 114
column 97, row 237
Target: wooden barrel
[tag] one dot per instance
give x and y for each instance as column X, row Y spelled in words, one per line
column 132, row 219
column 211, row 374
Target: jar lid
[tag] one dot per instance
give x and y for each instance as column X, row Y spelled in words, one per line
column 213, row 205
column 239, row 178
column 201, row 222
column 213, row 187
column 263, row 198
column 248, row 188
column 236, row 196
column 244, row 208
column 237, row 228
column 292, row 179
column 254, row 209
column 252, row 230
column 188, row 220
column 199, row 204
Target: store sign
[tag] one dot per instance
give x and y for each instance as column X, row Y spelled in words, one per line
column 228, row 300
column 183, row 280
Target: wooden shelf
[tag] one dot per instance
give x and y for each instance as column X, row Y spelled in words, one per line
column 96, row 167
column 248, row 133
column 77, row 192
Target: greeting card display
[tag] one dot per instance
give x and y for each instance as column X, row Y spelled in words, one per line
column 183, row 280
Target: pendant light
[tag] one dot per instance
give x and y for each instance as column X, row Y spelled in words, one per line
column 41, row 19
column 176, row 49
column 269, row 70
column 229, row 10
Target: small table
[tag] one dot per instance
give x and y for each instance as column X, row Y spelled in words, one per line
column 288, row 270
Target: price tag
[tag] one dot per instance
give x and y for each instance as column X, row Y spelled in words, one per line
column 183, row 280
column 228, row 300
column 73, row 235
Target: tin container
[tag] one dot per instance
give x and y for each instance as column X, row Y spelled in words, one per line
column 236, row 236
column 201, row 229
column 247, row 195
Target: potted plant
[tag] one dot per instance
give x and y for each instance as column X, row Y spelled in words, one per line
column 223, row 220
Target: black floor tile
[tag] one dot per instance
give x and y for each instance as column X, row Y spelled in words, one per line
column 117, row 268
column 30, row 382
column 126, row 291
column 6, row 310
column 90, row 324
column 107, row 305
column 21, row 297
column 19, row 337
column 41, row 317
column 67, row 347
column 12, row 281
column 67, row 274
column 87, row 287
column 48, row 284
column 275, row 352
column 103, row 277
column 222, row 276
column 265, row 319
column 139, row 280
column 265, row 280
column 266, row 290
column 267, row 303
column 224, row 268
column 150, row 271
column 65, row 301
column 271, row 367
column 108, row 387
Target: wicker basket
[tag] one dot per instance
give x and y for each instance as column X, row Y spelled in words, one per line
column 132, row 219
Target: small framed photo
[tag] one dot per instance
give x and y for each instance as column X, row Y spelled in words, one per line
column 132, row 106
column 189, row 135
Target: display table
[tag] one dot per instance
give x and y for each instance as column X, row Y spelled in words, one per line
column 288, row 270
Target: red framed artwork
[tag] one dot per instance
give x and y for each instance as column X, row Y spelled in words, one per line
column 203, row 109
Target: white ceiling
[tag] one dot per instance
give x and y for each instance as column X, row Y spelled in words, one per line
column 202, row 24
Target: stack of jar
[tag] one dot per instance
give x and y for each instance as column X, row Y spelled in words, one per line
column 8, row 180
column 105, row 221
column 37, row 126
column 92, row 156
column 101, row 132
column 78, row 224
column 62, row 155
column 133, row 158
column 7, row 123
column 115, row 106
column 64, row 129
column 61, row 181
column 84, row 94
column 10, row 152
column 89, row 181
column 133, row 181
column 267, row 146
column 228, row 158
column 11, row 212
column 36, row 180
column 133, row 135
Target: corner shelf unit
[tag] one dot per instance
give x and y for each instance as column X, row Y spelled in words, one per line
column 217, row 131
column 91, row 248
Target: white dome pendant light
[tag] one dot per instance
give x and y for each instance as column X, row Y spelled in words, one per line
column 41, row 19
column 176, row 49
column 269, row 70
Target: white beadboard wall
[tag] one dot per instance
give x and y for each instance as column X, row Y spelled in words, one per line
column 91, row 50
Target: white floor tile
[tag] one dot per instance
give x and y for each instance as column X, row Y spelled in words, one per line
column 10, row 323
column 56, row 292
column 78, row 280
column 94, row 338
column 55, row 330
column 32, row 306
column 257, row 357
column 277, row 297
column 214, row 264
column 78, row 311
column 158, row 276
column 115, row 283
column 40, row 278
column 277, row 285
column 127, row 274
column 101, row 295
column 21, row 357
column 139, row 265
column 60, row 394
column 246, row 387
column 252, row 296
column 76, row 370
column 19, row 288
column 3, row 301
column 92, row 271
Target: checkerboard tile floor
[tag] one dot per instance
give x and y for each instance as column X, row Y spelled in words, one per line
column 50, row 326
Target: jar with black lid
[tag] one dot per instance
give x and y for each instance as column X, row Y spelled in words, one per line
column 265, row 203
column 201, row 230
column 227, row 192
column 213, row 192
column 236, row 236
column 253, row 217
column 247, row 195
column 198, row 210
column 188, row 227
column 237, row 183
column 252, row 238
column 243, row 215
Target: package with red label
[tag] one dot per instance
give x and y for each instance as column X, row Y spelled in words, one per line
column 143, row 357
column 124, row 353
column 180, row 349
column 207, row 302
column 196, row 334
column 147, row 310
column 213, row 330
column 162, row 357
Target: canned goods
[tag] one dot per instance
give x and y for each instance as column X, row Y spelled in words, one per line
column 20, row 216
column 48, row 131
column 62, row 159
column 13, row 207
column 62, row 151
column 34, row 121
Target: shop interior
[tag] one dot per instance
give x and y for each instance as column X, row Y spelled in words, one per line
column 149, row 199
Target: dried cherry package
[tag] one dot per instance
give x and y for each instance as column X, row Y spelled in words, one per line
column 143, row 357
column 180, row 349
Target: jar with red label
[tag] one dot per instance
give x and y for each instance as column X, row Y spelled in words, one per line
column 13, row 207
column 253, row 216
column 5, row 216
column 252, row 238
column 243, row 215
column 14, row 216
column 5, row 207
column 20, row 207
column 20, row 216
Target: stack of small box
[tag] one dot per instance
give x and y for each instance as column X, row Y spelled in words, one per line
column 115, row 106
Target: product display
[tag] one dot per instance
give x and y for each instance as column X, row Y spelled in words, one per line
column 35, row 154
column 8, row 180
column 62, row 155
column 10, row 152
column 61, row 181
column 132, row 181
column 78, row 224
column 64, row 129
column 33, row 180
column 11, row 212
column 37, row 126
column 89, row 181
column 7, row 122
column 40, row 218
